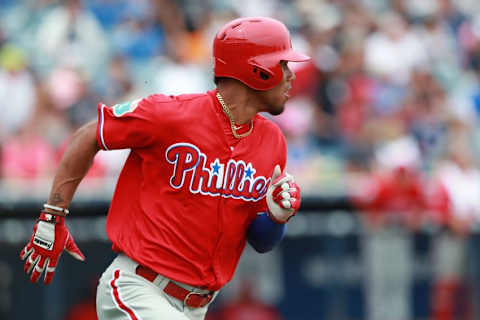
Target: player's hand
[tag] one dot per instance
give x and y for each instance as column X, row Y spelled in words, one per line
column 283, row 196
column 50, row 237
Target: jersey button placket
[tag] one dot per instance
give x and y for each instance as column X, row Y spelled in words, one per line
column 222, row 207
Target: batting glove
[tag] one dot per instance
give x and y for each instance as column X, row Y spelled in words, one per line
column 283, row 196
column 50, row 237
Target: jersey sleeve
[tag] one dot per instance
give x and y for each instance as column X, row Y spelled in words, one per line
column 127, row 125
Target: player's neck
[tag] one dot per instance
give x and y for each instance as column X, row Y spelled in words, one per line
column 239, row 101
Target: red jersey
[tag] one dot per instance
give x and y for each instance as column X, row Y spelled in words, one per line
column 189, row 189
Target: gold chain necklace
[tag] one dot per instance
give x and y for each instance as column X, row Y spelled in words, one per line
column 232, row 122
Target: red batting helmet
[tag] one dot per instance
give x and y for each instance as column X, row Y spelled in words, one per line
column 250, row 50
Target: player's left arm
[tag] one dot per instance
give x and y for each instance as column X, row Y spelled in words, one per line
column 283, row 202
column 264, row 234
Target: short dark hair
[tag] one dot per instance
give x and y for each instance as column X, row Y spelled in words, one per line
column 216, row 80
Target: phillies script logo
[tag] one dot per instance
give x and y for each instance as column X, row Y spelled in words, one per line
column 234, row 179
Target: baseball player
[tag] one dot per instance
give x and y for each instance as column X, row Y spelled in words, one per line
column 206, row 174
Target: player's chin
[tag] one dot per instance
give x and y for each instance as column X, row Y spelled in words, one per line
column 277, row 109
column 277, row 104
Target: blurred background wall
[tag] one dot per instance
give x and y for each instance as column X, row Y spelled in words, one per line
column 382, row 133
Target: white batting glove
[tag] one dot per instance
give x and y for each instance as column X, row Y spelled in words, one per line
column 50, row 238
column 283, row 196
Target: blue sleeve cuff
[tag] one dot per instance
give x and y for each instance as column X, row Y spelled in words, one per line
column 263, row 233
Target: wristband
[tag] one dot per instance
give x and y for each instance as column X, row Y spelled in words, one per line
column 57, row 209
column 263, row 233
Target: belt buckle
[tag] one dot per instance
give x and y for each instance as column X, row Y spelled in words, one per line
column 205, row 299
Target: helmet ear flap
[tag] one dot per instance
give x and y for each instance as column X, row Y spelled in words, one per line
column 266, row 78
column 261, row 73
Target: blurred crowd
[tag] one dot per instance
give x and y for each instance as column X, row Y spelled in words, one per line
column 385, row 112
column 393, row 85
column 382, row 71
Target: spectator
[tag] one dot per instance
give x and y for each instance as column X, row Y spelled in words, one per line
column 117, row 84
column 393, row 52
column 426, row 114
column 393, row 209
column 137, row 36
column 71, row 94
column 396, row 197
column 108, row 12
column 17, row 91
column 440, row 46
column 71, row 35
column 27, row 156
column 458, row 184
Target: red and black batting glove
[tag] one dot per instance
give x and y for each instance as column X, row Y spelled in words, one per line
column 283, row 196
column 50, row 237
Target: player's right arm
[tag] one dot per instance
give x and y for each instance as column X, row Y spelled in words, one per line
column 50, row 234
column 74, row 165
column 126, row 125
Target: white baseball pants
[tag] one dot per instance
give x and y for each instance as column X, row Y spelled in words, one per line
column 124, row 295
